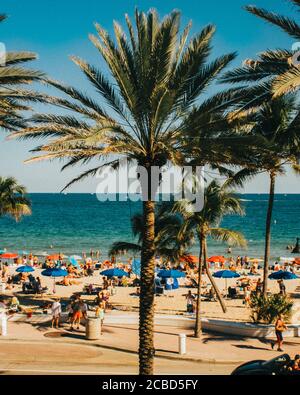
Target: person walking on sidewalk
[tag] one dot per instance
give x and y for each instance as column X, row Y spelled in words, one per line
column 100, row 313
column 280, row 327
column 56, row 313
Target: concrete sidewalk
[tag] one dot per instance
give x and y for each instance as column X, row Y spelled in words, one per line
column 211, row 348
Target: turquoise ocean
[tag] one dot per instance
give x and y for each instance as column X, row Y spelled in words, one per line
column 76, row 223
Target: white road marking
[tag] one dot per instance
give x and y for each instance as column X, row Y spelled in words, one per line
column 58, row 371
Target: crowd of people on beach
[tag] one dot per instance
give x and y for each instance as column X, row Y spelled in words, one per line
column 74, row 311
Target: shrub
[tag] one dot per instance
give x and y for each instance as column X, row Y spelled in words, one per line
column 266, row 309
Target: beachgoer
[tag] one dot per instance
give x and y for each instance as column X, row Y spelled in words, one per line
column 100, row 313
column 5, row 271
column 212, row 294
column 247, row 296
column 296, row 364
column 14, row 304
column 2, row 304
column 84, row 309
column 190, row 300
column 70, row 311
column 105, row 283
column 259, row 286
column 276, row 267
column 77, row 314
column 56, row 313
column 280, row 327
column 104, row 297
column 282, row 288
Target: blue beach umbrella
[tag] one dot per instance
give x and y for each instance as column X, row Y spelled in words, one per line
column 171, row 274
column 25, row 269
column 73, row 261
column 54, row 272
column 76, row 257
column 114, row 273
column 283, row 275
column 136, row 267
column 226, row 274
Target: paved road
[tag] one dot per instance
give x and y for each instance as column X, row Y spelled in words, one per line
column 69, row 359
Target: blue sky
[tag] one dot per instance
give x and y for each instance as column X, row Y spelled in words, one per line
column 57, row 29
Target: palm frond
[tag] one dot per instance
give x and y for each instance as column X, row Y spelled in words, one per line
column 228, row 236
column 284, row 23
column 286, row 82
column 121, row 246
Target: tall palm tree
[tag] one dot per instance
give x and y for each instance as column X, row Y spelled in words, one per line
column 219, row 201
column 277, row 121
column 13, row 96
column 169, row 244
column 156, row 78
column 13, row 202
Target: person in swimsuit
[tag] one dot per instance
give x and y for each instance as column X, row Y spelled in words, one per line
column 77, row 314
column 280, row 327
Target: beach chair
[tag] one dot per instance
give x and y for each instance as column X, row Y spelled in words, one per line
column 159, row 290
column 232, row 293
column 194, row 283
column 175, row 284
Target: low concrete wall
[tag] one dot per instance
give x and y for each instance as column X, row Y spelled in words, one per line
column 244, row 329
column 241, row 329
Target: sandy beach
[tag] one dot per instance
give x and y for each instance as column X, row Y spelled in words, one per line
column 172, row 302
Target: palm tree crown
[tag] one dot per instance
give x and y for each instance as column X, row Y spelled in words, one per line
column 156, row 77
column 169, row 243
column 13, row 97
column 13, row 201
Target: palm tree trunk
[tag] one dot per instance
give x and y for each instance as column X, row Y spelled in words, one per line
column 146, row 311
column 268, row 232
column 211, row 279
column 198, row 327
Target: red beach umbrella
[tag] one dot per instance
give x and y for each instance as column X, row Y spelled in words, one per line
column 56, row 257
column 189, row 259
column 53, row 257
column 9, row 255
column 217, row 259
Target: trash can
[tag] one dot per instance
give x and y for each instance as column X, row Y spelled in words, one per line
column 93, row 329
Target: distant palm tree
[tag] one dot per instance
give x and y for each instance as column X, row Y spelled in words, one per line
column 169, row 244
column 152, row 100
column 13, row 97
column 13, row 202
column 278, row 122
column 219, row 201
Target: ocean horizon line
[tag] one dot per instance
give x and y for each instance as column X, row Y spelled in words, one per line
column 133, row 194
